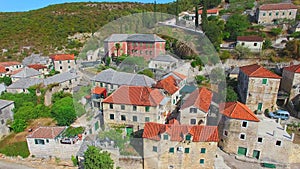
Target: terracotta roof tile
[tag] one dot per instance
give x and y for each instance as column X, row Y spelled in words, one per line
column 2, row 69
column 200, row 98
column 46, row 132
column 99, row 90
column 61, row 57
column 12, row 63
column 37, row 66
column 251, row 38
column 293, row 68
column 179, row 75
column 278, row 6
column 135, row 95
column 178, row 132
column 256, row 70
column 169, row 84
column 209, row 11
column 237, row 110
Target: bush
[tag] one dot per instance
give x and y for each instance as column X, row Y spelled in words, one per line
column 73, row 131
column 16, row 149
column 63, row 111
column 19, row 125
column 74, row 160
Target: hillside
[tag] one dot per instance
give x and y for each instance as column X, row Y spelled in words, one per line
column 47, row 29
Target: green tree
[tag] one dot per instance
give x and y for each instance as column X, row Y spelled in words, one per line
column 214, row 34
column 292, row 48
column 276, row 31
column 231, row 95
column 117, row 46
column 236, row 25
column 241, row 51
column 147, row 72
column 196, row 16
column 63, row 111
column 95, row 158
column 19, row 125
column 204, row 21
column 267, row 44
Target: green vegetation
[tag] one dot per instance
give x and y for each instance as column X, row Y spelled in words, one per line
column 147, row 72
column 6, row 80
column 96, row 158
column 63, row 111
column 238, row 6
column 15, row 149
column 73, row 131
column 236, row 25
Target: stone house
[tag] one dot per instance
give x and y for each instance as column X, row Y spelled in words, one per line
column 242, row 133
column 6, row 113
column 179, row 146
column 165, row 63
column 47, row 142
column 171, row 84
column 11, row 66
column 112, row 79
column 40, row 67
column 133, row 106
column 26, row 73
column 195, row 107
column 258, row 87
column 63, row 62
column 98, row 94
column 191, row 16
column 22, row 85
column 291, row 80
column 254, row 43
column 272, row 13
column 143, row 45
column 66, row 81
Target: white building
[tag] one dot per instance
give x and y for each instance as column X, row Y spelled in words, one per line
column 254, row 43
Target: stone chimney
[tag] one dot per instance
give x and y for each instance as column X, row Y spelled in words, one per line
column 274, row 133
column 293, row 136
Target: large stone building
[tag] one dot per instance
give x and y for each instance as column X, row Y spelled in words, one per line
column 171, row 84
column 144, row 45
column 272, row 13
column 165, row 63
column 291, row 80
column 26, row 73
column 6, row 114
column 112, row 79
column 63, row 62
column 49, row 142
column 133, row 106
column 195, row 107
column 258, row 87
column 254, row 43
column 242, row 133
column 179, row 146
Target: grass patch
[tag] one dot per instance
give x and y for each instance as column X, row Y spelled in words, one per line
column 15, row 149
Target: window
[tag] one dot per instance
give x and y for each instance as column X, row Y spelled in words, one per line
column 193, row 121
column 166, row 137
column 225, row 133
column 133, row 108
column 59, row 62
column 69, row 67
column 188, row 137
column 244, row 124
column 243, row 43
column 187, row 150
column 171, row 150
column 270, row 14
column 122, row 107
column 39, row 141
column 255, row 44
column 203, row 150
column 290, row 13
column 264, row 14
column 147, row 119
column 277, row 13
column 179, row 149
column 242, row 136
column 111, row 106
column 123, row 117
column 60, row 67
column 2, row 121
column 47, row 141
column 154, row 148
column 278, row 143
column 283, row 13
column 193, row 110
column 111, row 116
column 201, row 161
column 147, row 108
column 264, row 81
column 259, row 139
column 96, row 125
column 134, row 118
column 68, row 61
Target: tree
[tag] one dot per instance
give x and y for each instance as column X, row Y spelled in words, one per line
column 196, row 16
column 214, row 34
column 63, row 111
column 276, row 31
column 147, row 72
column 231, row 95
column 19, row 125
column 96, row 158
column 204, row 21
column 6, row 80
column 117, row 46
column 236, row 25
column 241, row 51
column 292, row 48
column 267, row 44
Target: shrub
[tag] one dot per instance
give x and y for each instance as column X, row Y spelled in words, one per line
column 16, row 149
column 19, row 125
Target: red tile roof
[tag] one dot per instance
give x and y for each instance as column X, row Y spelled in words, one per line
column 7, row 64
column 62, row 57
column 2, row 69
column 200, row 98
column 37, row 66
column 178, row 132
column 99, row 90
column 278, row 6
column 179, row 75
column 169, row 84
column 209, row 11
column 293, row 68
column 135, row 95
column 251, row 38
column 237, row 110
column 256, row 70
column 46, row 132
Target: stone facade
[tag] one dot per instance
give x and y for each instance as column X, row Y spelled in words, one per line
column 64, row 65
column 254, row 46
column 5, row 115
column 290, row 83
column 270, row 13
column 192, row 116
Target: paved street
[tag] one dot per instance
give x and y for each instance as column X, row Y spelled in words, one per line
column 9, row 165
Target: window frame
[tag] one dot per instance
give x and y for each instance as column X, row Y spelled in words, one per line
column 203, row 150
column 280, row 143
column 111, row 115
column 123, row 117
column 246, row 122
column 242, row 134
column 259, row 138
column 122, row 106
column 134, row 118
column 154, row 148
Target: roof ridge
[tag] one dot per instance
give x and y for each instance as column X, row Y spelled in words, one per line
column 253, row 115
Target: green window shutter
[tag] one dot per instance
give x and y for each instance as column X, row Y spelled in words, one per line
column 187, row 150
column 147, row 119
column 188, row 137
column 154, row 148
column 171, row 150
column 242, row 151
column 201, row 161
column 264, row 81
column 97, row 125
column 203, row 150
column 166, row 137
column 147, row 108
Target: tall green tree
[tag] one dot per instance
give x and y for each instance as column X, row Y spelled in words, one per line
column 63, row 111
column 117, row 46
column 155, row 10
column 236, row 25
column 196, row 16
column 95, row 158
column 214, row 34
column 204, row 21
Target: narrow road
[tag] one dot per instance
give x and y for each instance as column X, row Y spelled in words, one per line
column 10, row 165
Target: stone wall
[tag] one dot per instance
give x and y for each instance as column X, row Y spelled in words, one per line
column 5, row 114
column 295, row 154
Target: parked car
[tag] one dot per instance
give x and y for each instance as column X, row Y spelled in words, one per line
column 280, row 114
